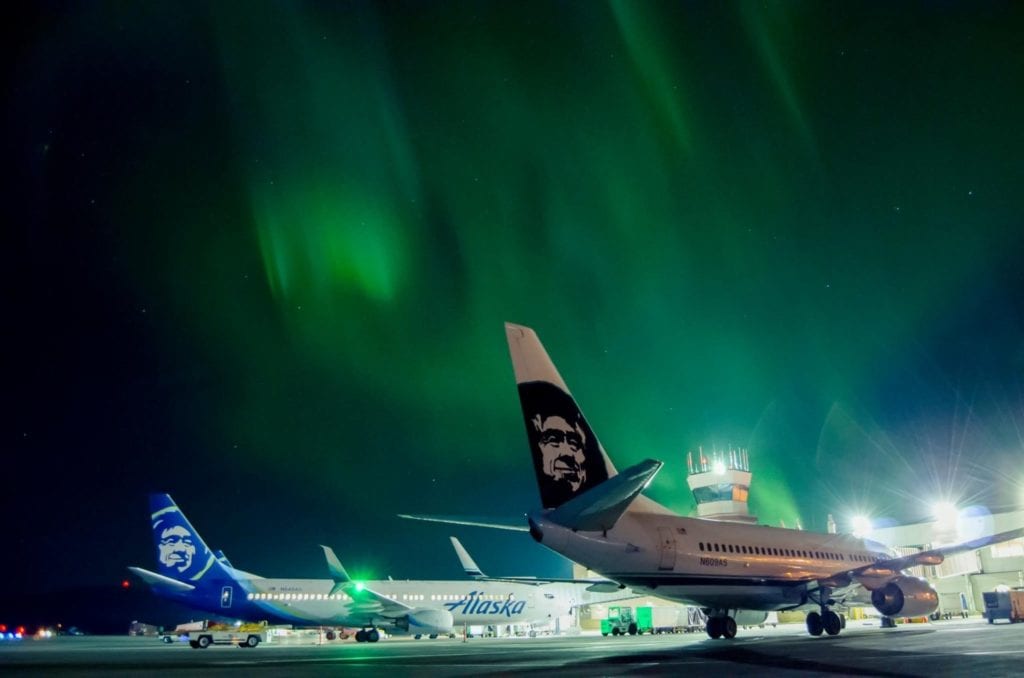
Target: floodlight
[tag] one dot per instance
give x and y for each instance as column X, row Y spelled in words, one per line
column 861, row 526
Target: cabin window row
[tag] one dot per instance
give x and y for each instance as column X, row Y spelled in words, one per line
column 298, row 596
column 392, row 596
column 783, row 552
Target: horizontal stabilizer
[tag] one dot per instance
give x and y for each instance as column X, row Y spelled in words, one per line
column 515, row 525
column 601, row 506
column 159, row 581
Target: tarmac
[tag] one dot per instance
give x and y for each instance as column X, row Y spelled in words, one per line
column 945, row 648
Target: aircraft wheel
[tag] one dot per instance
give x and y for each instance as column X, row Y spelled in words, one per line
column 728, row 627
column 832, row 623
column 418, row 636
column 433, row 636
column 714, row 628
column 372, row 636
column 632, row 629
column 814, row 624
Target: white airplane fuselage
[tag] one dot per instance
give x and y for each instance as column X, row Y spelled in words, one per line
column 310, row 601
column 710, row 563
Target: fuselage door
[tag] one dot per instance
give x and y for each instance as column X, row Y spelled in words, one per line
column 667, row 548
column 225, row 596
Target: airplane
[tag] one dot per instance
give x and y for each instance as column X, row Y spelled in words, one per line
column 592, row 584
column 598, row 517
column 189, row 572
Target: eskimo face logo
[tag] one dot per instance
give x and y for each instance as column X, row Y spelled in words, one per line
column 561, row 448
column 176, row 548
column 566, row 455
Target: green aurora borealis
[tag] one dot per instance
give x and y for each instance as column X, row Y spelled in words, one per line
column 297, row 228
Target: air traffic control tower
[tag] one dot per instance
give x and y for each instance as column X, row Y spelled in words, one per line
column 720, row 482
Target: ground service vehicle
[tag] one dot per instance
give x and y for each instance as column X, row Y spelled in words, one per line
column 622, row 620
column 1008, row 605
column 212, row 633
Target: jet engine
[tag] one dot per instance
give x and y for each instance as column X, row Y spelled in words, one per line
column 750, row 617
column 426, row 620
column 905, row 597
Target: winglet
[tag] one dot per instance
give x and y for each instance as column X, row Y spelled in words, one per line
column 600, row 507
column 334, row 565
column 468, row 564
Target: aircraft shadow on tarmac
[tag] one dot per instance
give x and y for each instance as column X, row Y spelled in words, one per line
column 764, row 656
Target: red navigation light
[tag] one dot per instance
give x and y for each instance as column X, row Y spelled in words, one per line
column 3, row 628
column 125, row 584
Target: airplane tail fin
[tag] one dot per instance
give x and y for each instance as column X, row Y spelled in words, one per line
column 567, row 457
column 181, row 554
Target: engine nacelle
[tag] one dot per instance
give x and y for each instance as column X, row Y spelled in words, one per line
column 750, row 617
column 905, row 597
column 426, row 620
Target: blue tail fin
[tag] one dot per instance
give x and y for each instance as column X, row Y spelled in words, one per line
column 181, row 553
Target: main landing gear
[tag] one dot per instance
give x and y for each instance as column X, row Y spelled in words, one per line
column 370, row 635
column 721, row 626
column 828, row 621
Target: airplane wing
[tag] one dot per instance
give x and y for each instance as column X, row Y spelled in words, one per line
column 517, row 524
column 365, row 601
column 881, row 571
column 937, row 555
column 595, row 585
column 474, row 571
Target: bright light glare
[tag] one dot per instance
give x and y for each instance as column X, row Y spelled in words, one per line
column 719, row 467
column 945, row 514
column 861, row 526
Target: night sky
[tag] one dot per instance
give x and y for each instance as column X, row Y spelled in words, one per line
column 259, row 255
